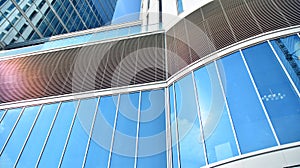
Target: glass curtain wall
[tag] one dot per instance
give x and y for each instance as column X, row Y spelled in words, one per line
column 110, row 131
column 244, row 102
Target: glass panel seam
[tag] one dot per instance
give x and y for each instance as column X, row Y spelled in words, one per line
column 259, row 98
column 92, row 11
column 13, row 26
column 71, row 3
column 199, row 118
column 284, row 69
column 137, row 130
column 227, row 108
column 176, row 127
column 69, row 134
column 91, row 133
column 11, row 132
column 27, row 19
column 48, row 134
column 3, row 115
column 104, row 11
column 113, row 133
column 59, row 18
column 28, row 135
column 168, row 129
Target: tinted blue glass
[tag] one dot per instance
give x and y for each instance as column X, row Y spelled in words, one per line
column 152, row 136
column 17, row 139
column 111, row 34
column 76, row 147
column 99, row 148
column 98, row 36
column 7, row 124
column 218, row 133
column 123, row 31
column 57, row 138
column 125, row 134
column 278, row 95
column 288, row 50
column 66, row 42
column 179, row 6
column 190, row 139
column 1, row 114
column 37, row 137
column 251, row 125
column 134, row 29
column 173, row 128
column 21, row 50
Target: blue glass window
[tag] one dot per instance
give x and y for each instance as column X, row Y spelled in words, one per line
column 125, row 135
column 173, row 128
column 1, row 114
column 7, row 124
column 279, row 97
column 17, row 138
column 190, row 139
column 218, row 133
column 58, row 136
column 152, row 136
column 179, row 6
column 77, row 143
column 98, row 151
column 37, row 137
column 250, row 122
column 288, row 50
column 134, row 30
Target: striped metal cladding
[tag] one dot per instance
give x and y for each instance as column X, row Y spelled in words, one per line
column 100, row 66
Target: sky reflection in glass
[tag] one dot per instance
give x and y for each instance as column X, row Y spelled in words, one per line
column 249, row 120
column 190, row 139
column 281, row 101
column 218, row 133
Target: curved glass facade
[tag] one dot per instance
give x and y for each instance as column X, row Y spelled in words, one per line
column 244, row 102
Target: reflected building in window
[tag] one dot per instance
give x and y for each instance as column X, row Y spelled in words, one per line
column 189, row 84
column 27, row 20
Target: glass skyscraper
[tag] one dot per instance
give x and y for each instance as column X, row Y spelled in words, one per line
column 26, row 20
column 206, row 84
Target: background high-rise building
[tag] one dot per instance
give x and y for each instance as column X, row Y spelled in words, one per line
column 25, row 20
column 210, row 83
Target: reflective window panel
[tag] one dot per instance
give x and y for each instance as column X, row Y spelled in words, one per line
column 250, row 122
column 278, row 95
column 2, row 112
column 13, row 147
column 173, row 127
column 37, row 137
column 288, row 51
column 152, row 135
column 7, row 124
column 218, row 133
column 123, row 151
column 79, row 136
column 190, row 137
column 98, row 151
column 55, row 142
